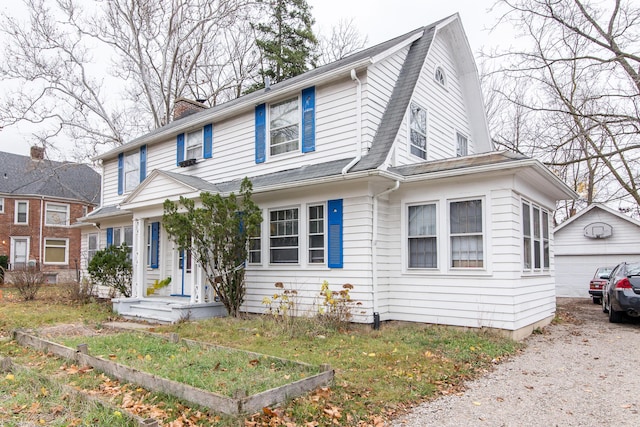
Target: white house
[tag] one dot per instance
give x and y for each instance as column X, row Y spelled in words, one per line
column 597, row 236
column 379, row 171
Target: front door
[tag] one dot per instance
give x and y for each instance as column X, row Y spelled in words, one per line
column 20, row 252
column 183, row 285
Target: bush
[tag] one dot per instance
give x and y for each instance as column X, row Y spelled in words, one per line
column 81, row 292
column 112, row 267
column 335, row 307
column 28, row 281
column 4, row 265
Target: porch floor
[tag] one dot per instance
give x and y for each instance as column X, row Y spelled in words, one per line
column 166, row 309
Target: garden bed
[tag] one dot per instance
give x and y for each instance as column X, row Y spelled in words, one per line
column 226, row 380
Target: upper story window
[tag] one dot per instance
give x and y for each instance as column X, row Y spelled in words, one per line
column 21, row 212
column 284, row 129
column 439, row 76
column 194, row 145
column 423, row 240
column 283, row 236
column 1, row 205
column 467, row 239
column 286, row 126
column 56, row 214
column 462, row 145
column 418, row 131
column 535, row 237
column 132, row 169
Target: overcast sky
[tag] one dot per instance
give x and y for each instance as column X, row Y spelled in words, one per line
column 379, row 20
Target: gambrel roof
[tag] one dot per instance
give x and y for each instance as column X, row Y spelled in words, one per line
column 22, row 176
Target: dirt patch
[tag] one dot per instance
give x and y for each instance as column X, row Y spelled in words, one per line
column 70, row 330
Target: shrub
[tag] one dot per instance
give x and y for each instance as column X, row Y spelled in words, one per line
column 335, row 306
column 4, row 264
column 112, row 267
column 28, row 281
column 79, row 291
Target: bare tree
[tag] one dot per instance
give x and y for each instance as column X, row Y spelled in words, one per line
column 56, row 63
column 344, row 40
column 573, row 93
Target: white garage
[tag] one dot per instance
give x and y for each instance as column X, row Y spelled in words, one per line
column 595, row 237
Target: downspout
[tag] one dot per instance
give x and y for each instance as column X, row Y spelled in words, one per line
column 374, row 254
column 355, row 78
column 40, row 238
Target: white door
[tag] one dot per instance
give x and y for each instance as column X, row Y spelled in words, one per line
column 19, row 251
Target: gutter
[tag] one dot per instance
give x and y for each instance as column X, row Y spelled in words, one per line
column 355, row 78
column 374, row 253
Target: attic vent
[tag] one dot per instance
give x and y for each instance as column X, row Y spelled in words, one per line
column 598, row 230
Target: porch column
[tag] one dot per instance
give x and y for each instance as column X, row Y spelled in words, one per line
column 137, row 260
column 197, row 295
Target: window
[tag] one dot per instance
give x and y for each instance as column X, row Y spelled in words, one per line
column 19, row 251
column 283, row 233
column 1, row 205
column 467, row 247
column 418, row 131
column 153, row 244
column 284, row 130
column 92, row 246
column 120, row 235
column 439, row 76
column 22, row 212
column 132, row 169
column 462, row 145
column 55, row 251
column 535, row 237
column 255, row 248
column 423, row 243
column 56, row 214
column 316, row 234
column 194, row 145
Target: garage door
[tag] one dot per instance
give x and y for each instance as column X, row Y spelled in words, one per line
column 573, row 272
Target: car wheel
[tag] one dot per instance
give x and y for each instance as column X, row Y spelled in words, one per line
column 615, row 316
column 597, row 300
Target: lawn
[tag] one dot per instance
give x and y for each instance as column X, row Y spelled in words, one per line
column 379, row 373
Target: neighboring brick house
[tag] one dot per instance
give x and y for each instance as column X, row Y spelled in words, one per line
column 40, row 201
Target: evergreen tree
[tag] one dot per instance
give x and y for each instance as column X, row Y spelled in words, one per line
column 286, row 40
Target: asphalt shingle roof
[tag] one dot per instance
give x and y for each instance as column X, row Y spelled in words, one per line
column 22, row 176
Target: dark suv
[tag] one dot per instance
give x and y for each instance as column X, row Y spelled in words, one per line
column 621, row 294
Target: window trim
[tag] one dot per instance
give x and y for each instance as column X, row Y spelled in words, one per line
column 482, row 234
column 66, row 251
column 297, row 235
column 543, row 238
column 323, row 219
column 16, row 212
column 410, row 129
column 1, row 205
column 67, row 213
column 436, row 235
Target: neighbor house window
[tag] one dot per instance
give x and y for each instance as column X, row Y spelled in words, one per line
column 423, row 243
column 284, row 124
column 22, row 212
column 439, row 76
column 1, row 205
column 56, row 214
column 194, row 145
column 283, row 236
column 467, row 246
column 19, row 251
column 92, row 246
column 316, row 234
column 418, row 131
column 535, row 240
column 55, row 251
column 462, row 145
column 255, row 248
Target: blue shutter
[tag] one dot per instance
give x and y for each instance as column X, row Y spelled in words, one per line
column 143, row 162
column 335, row 233
column 308, row 119
column 120, row 173
column 155, row 244
column 261, row 133
column 208, row 141
column 109, row 236
column 179, row 148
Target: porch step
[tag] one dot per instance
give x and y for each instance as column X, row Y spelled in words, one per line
column 165, row 310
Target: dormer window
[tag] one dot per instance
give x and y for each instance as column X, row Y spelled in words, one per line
column 284, row 126
column 439, row 76
column 418, row 131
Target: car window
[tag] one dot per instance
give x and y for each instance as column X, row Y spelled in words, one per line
column 633, row 269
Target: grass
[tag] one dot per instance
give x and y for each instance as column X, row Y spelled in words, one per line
column 379, row 373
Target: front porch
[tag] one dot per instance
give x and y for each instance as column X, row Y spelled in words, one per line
column 166, row 309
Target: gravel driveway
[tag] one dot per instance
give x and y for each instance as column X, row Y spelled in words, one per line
column 582, row 372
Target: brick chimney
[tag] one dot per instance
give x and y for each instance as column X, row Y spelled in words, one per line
column 37, row 153
column 184, row 107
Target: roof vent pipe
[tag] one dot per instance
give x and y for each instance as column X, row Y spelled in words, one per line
column 355, row 78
